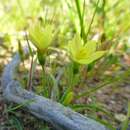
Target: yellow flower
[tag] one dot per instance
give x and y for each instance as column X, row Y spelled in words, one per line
column 83, row 53
column 41, row 37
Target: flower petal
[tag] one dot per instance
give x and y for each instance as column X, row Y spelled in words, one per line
column 93, row 57
column 90, row 47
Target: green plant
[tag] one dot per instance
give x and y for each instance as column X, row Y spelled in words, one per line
column 89, row 30
column 41, row 38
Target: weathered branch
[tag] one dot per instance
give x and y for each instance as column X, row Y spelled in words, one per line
column 61, row 117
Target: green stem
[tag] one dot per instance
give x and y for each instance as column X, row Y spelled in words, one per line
column 41, row 58
column 81, row 19
column 91, row 22
column 29, row 84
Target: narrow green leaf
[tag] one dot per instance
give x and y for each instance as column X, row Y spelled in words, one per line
column 126, row 122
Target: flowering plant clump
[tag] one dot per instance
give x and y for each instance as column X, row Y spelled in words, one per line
column 83, row 53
